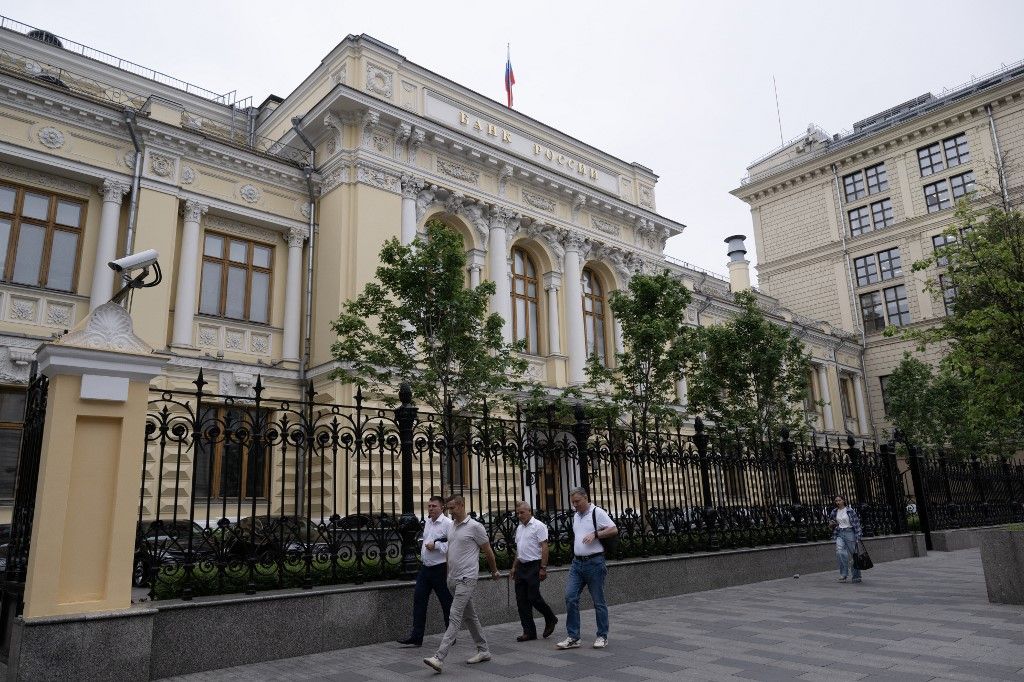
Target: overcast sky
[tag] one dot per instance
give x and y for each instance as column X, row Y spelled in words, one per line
column 683, row 88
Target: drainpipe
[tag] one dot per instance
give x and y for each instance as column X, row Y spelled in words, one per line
column 999, row 157
column 133, row 206
column 846, row 257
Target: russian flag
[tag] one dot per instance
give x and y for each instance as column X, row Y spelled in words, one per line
column 510, row 78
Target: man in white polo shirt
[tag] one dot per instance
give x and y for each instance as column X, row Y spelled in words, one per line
column 590, row 523
column 432, row 576
column 466, row 539
column 529, row 569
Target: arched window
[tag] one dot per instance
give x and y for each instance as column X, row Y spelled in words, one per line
column 524, row 301
column 594, row 305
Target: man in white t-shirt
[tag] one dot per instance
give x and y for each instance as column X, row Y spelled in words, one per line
column 590, row 523
column 528, row 570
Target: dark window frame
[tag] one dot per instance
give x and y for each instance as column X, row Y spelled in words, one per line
column 225, row 263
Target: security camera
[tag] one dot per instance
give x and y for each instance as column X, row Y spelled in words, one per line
column 135, row 261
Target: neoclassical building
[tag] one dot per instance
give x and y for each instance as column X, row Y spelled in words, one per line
column 839, row 220
column 268, row 218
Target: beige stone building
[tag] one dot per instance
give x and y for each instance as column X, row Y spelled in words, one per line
column 839, row 220
column 267, row 218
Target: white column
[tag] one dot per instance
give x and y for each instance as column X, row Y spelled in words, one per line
column 293, row 296
column 476, row 259
column 862, row 408
column 682, row 391
column 410, row 190
column 188, row 267
column 576, row 341
column 824, row 393
column 552, row 281
column 620, row 347
column 497, row 261
column 106, row 244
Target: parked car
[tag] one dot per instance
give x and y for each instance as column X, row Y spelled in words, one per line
column 268, row 538
column 164, row 543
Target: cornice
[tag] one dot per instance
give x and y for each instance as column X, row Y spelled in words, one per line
column 469, row 149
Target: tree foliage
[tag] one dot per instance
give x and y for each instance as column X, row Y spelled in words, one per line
column 419, row 322
column 656, row 342
column 750, row 374
column 984, row 334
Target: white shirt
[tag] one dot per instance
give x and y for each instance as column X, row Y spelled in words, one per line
column 528, row 539
column 843, row 518
column 431, row 530
column 582, row 524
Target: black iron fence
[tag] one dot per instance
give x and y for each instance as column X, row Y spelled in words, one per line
column 244, row 494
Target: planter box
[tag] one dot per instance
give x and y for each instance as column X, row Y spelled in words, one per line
column 1002, row 557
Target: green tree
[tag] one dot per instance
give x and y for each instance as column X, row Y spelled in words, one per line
column 750, row 374
column 984, row 335
column 656, row 342
column 420, row 323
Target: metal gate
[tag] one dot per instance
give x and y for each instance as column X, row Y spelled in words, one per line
column 24, row 509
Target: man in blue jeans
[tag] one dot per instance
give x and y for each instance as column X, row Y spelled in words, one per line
column 590, row 523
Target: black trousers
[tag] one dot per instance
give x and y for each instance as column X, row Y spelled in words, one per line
column 528, row 597
column 429, row 579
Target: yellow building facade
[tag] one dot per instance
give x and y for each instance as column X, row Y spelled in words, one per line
column 268, row 218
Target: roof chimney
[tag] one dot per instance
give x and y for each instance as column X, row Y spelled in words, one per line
column 739, row 266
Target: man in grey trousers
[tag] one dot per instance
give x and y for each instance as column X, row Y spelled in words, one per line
column 466, row 539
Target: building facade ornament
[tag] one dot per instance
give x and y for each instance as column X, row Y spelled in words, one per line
column 222, row 224
column 161, row 164
column 539, row 202
column 193, row 211
column 578, row 201
column 379, row 81
column 411, row 186
column 503, row 177
column 295, row 238
column 337, row 126
column 33, row 177
column 424, row 199
column 458, row 171
column 647, row 197
column 14, row 364
column 51, row 137
column 402, row 134
column 476, row 215
column 58, row 315
column 376, row 177
column 370, row 121
column 419, row 136
column 109, row 327
column 113, row 190
column 188, row 176
column 502, row 217
column 250, row 193
column 333, row 178
column 606, row 226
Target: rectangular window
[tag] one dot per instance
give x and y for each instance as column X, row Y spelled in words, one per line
column 877, row 179
column 40, row 238
column 883, row 384
column 896, row 306
column 872, row 312
column 948, row 293
column 12, row 417
column 844, row 397
column 936, row 196
column 860, row 221
column 956, row 150
column 881, row 213
column 939, row 241
column 230, row 460
column 811, row 398
column 962, row 184
column 930, row 159
column 867, row 271
column 854, row 186
column 889, row 265
column 236, row 278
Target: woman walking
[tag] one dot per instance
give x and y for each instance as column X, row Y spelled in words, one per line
column 846, row 531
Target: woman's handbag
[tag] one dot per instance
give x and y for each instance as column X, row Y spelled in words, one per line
column 861, row 559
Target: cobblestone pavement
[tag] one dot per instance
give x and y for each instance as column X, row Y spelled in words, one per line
column 915, row 619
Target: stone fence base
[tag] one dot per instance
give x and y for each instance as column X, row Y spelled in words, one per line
column 958, row 538
column 163, row 639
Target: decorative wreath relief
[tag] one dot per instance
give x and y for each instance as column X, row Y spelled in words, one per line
column 249, row 193
column 51, row 137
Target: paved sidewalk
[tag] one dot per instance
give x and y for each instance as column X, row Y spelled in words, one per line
column 911, row 620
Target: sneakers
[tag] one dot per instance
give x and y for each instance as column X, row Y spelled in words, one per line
column 478, row 657
column 434, row 662
column 568, row 643
column 600, row 642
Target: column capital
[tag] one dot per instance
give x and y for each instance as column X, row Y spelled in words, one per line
column 295, row 238
column 552, row 280
column 193, row 211
column 113, row 190
column 576, row 242
column 501, row 216
column 411, row 186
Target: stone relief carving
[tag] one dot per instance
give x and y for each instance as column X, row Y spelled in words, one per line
column 259, row 343
column 423, row 201
column 236, row 384
column 382, row 143
column 411, row 187
column 458, row 171
column 370, row 121
column 192, row 211
column 606, row 226
column 188, row 176
column 108, row 327
column 250, row 193
column 240, row 229
column 647, row 197
column 161, row 164
column 208, row 336
column 191, row 121
column 113, row 190
column 540, row 202
column 419, row 136
column 626, row 189
column 40, row 179
column 14, row 364
column 378, row 178
column 22, row 310
column 476, row 214
column 51, row 137
column 337, row 127
column 578, row 201
column 333, row 178
column 402, row 134
column 302, row 208
column 379, row 81
column 59, row 315
column 503, row 177
column 408, row 95
column 233, row 339
column 340, row 76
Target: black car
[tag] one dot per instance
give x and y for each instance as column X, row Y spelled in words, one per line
column 164, row 543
